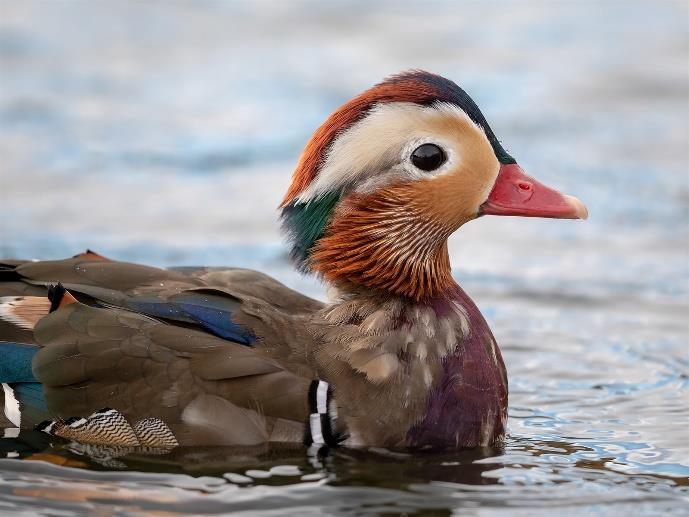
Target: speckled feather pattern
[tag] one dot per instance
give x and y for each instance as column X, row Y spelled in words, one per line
column 468, row 406
column 392, row 359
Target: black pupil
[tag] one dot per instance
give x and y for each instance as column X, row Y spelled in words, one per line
column 428, row 157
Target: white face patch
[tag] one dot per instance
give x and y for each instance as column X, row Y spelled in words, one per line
column 376, row 150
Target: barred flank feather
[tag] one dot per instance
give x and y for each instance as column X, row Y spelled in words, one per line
column 109, row 427
column 153, row 432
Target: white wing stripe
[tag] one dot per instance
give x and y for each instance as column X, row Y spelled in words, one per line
column 12, row 411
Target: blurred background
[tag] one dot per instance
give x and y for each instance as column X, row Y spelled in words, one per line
column 166, row 133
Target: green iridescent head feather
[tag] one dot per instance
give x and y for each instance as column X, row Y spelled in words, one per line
column 305, row 222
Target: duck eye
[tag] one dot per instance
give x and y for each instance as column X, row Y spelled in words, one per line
column 428, row 157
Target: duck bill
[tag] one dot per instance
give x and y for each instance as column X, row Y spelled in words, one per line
column 515, row 193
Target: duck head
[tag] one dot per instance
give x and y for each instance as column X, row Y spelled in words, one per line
column 391, row 174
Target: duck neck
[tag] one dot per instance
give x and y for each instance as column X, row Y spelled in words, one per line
column 382, row 245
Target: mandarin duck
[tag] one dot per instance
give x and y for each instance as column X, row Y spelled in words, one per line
column 123, row 354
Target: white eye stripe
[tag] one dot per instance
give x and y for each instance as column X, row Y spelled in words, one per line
column 377, row 149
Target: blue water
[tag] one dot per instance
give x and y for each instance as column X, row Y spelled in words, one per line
column 166, row 133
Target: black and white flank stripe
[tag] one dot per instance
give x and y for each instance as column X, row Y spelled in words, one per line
column 321, row 427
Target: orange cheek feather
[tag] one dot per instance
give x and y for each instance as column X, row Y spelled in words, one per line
column 395, row 239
